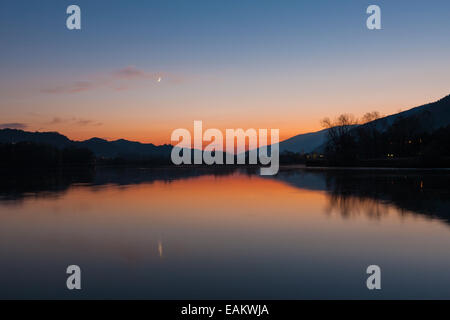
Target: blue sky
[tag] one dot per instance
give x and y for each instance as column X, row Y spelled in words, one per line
column 271, row 63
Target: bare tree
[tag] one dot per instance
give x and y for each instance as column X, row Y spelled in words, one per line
column 339, row 129
column 370, row 116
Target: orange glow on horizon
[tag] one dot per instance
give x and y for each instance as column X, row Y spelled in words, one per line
column 141, row 125
column 160, row 137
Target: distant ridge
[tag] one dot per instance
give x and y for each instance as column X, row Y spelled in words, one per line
column 51, row 138
column 435, row 115
column 304, row 143
column 100, row 147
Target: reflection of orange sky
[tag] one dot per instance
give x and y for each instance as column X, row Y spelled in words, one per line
column 129, row 220
column 206, row 192
column 195, row 217
column 237, row 202
column 205, row 198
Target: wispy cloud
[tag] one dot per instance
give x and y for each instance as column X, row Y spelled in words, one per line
column 85, row 122
column 118, row 80
column 131, row 72
column 77, row 86
column 13, row 125
column 74, row 121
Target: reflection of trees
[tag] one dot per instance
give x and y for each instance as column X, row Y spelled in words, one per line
column 349, row 206
column 372, row 193
column 377, row 192
column 350, row 192
column 16, row 185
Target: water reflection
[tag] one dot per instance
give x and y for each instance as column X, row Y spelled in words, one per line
column 16, row 186
column 205, row 233
column 370, row 192
column 350, row 192
column 160, row 249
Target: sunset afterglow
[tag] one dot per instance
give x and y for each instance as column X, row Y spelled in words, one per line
column 231, row 66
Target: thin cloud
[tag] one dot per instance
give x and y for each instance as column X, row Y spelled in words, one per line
column 13, row 125
column 74, row 121
column 131, row 72
column 78, row 86
column 119, row 80
column 56, row 120
column 84, row 122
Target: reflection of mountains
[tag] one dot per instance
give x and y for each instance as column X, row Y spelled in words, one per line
column 17, row 185
column 350, row 192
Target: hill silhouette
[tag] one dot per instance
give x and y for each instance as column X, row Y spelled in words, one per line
column 101, row 148
column 419, row 137
column 304, row 143
column 431, row 116
column 427, row 125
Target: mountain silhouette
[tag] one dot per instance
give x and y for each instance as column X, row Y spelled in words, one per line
column 51, row 138
column 432, row 116
column 101, row 148
column 304, row 143
column 125, row 149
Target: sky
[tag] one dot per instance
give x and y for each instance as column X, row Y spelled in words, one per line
column 140, row 69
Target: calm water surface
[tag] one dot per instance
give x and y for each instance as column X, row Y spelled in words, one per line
column 179, row 233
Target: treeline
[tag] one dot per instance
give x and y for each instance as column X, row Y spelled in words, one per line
column 406, row 142
column 30, row 154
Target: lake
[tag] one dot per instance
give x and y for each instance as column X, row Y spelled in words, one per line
column 205, row 233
